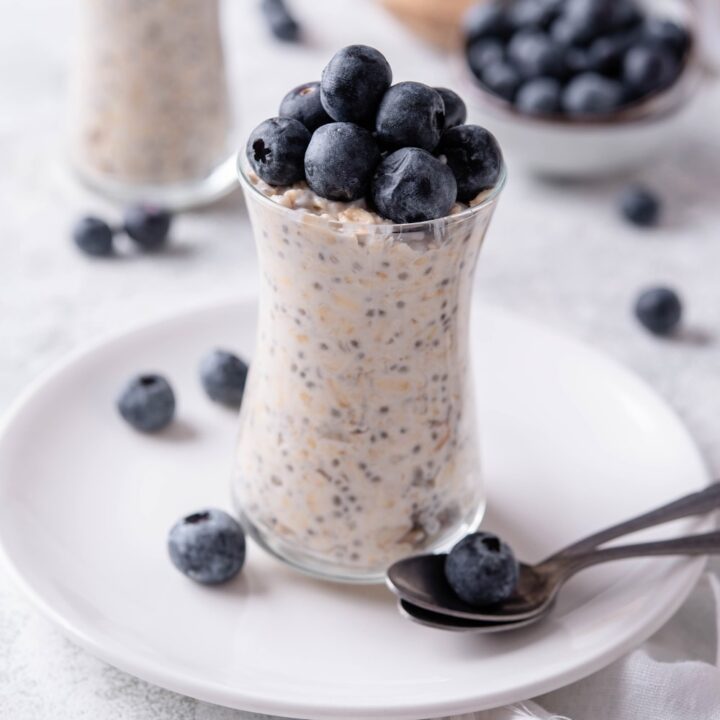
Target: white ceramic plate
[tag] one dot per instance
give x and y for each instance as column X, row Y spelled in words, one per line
column 571, row 443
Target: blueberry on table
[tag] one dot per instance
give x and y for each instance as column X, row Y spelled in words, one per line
column 501, row 78
column 659, row 310
column 646, row 68
column 534, row 54
column 540, row 96
column 303, row 104
column 487, row 19
column 223, row 376
column 208, row 546
column 340, row 161
column 281, row 23
column 93, row 236
column 353, row 83
column 591, row 94
column 473, row 155
column 640, row 206
column 148, row 226
column 410, row 114
column 147, row 402
column 482, row 570
column 410, row 185
column 483, row 52
column 455, row 109
column 276, row 150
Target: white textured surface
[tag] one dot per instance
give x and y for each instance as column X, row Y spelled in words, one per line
column 556, row 252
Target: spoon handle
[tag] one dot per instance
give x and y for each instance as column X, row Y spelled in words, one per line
column 696, row 503
column 705, row 544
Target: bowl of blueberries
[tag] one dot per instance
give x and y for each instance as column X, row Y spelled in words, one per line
column 581, row 87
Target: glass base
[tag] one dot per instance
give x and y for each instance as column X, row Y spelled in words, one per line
column 173, row 196
column 323, row 569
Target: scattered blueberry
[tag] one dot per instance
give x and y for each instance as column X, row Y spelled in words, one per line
column 223, row 376
column 148, row 226
column 147, row 402
column 207, row 546
column 353, row 83
column 659, row 310
column 534, row 54
column 540, row 96
column 486, row 20
column 502, row 79
column 410, row 185
column 647, row 68
column 281, row 23
column 93, row 236
column 484, row 52
column 276, row 150
column 591, row 94
column 474, row 156
column 303, row 104
column 482, row 570
column 455, row 110
column 640, row 206
column 410, row 115
column 340, row 161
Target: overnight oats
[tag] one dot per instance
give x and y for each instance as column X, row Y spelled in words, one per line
column 357, row 441
column 150, row 112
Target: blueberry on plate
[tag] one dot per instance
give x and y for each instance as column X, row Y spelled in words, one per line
column 591, row 94
column 410, row 185
column 534, row 54
column 488, row 19
column 303, row 104
column 502, row 79
column 93, row 236
column 659, row 310
column 147, row 402
column 276, row 150
column 208, row 546
column 482, row 570
column 455, row 109
column 640, row 206
column 473, row 155
column 281, row 23
column 148, row 226
column 340, row 161
column 540, row 96
column 410, row 115
column 646, row 68
column 223, row 376
column 353, row 83
column 484, row 52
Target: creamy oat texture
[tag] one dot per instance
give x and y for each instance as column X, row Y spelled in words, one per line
column 149, row 101
column 357, row 443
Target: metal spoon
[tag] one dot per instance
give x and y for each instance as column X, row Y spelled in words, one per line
column 420, row 580
column 543, row 582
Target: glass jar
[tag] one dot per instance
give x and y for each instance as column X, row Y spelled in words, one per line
column 357, row 442
column 150, row 116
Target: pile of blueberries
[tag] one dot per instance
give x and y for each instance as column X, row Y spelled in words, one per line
column 403, row 148
column 572, row 57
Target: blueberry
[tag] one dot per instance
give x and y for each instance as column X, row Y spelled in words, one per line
column 540, row 96
column 223, row 376
column 455, row 110
column 353, row 83
column 482, row 569
column 605, row 54
column 93, row 236
column 624, row 15
column 484, row 52
column 303, row 104
column 667, row 34
column 486, row 20
column 659, row 310
column 207, row 546
column 576, row 60
column 340, row 161
column 535, row 54
column 281, row 23
column 410, row 185
column 147, row 402
column 148, row 226
column 646, row 69
column 410, row 114
column 640, row 206
column 474, row 156
column 502, row 79
column 569, row 32
column 591, row 94
column 276, row 150
column 532, row 14
column 595, row 16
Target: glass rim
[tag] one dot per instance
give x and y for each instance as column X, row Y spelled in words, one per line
column 389, row 227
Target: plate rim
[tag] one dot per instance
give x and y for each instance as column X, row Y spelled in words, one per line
column 135, row 663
